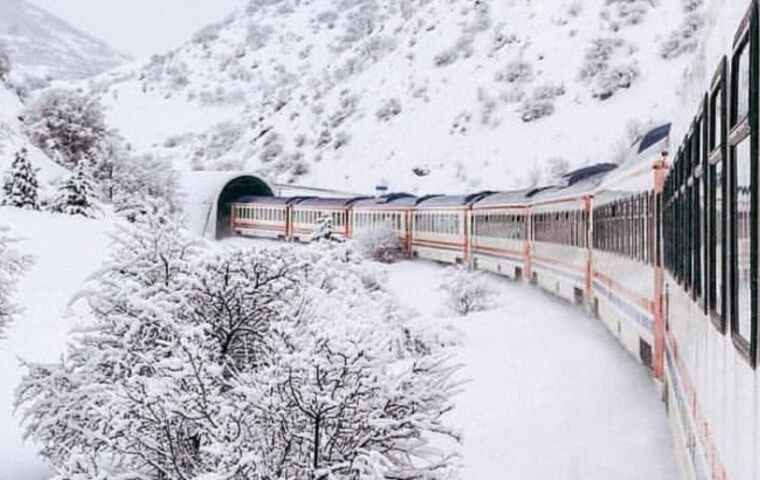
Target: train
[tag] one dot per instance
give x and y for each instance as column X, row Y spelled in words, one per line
column 662, row 248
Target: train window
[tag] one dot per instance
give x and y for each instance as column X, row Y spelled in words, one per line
column 716, row 119
column 740, row 82
column 742, row 229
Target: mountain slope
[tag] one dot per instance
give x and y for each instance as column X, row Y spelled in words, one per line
column 43, row 46
column 423, row 96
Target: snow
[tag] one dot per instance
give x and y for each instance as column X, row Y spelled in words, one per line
column 114, row 20
column 550, row 393
column 43, row 46
column 258, row 91
column 66, row 250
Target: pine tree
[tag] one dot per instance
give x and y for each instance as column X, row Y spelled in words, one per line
column 75, row 195
column 20, row 186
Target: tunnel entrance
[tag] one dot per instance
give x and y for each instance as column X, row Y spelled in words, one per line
column 234, row 190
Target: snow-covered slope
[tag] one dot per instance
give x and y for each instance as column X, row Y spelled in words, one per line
column 114, row 21
column 43, row 46
column 422, row 95
column 12, row 139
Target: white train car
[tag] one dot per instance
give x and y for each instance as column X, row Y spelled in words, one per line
column 441, row 226
column 499, row 240
column 626, row 292
column 559, row 252
column 391, row 210
column 266, row 217
column 710, row 206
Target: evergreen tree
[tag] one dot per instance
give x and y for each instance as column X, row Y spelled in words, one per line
column 20, row 186
column 75, row 195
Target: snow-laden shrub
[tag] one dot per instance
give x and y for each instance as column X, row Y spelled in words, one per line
column 12, row 266
column 20, row 186
column 5, row 63
column 516, row 71
column 690, row 6
column 684, row 39
column 66, row 125
column 607, row 67
column 380, row 242
column 501, row 39
column 258, row 35
column 278, row 363
column 145, row 178
column 621, row 13
column 541, row 102
column 467, row 291
column 359, row 23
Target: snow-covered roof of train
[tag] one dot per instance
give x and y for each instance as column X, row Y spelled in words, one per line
column 451, row 200
column 271, row 200
column 515, row 197
column 388, row 201
column 329, row 202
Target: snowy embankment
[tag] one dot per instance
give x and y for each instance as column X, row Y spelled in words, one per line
column 549, row 393
column 66, row 250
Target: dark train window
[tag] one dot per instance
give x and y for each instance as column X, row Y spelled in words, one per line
column 716, row 119
column 743, row 187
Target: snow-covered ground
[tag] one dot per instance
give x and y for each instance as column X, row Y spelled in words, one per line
column 66, row 250
column 549, row 394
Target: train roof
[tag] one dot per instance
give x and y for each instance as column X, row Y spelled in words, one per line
column 388, row 201
column 504, row 198
column 330, row 202
column 261, row 200
column 436, row 201
column 579, row 181
column 658, row 135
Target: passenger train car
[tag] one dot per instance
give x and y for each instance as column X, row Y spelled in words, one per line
column 665, row 252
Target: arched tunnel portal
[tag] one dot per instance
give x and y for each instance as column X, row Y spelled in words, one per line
column 234, row 190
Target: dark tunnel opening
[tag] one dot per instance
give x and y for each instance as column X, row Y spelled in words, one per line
column 234, row 190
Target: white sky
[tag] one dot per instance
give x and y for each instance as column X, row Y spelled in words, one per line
column 140, row 27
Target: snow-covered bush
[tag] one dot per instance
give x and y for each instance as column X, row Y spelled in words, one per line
column 76, row 195
column 467, row 291
column 141, row 179
column 20, row 186
column 258, row 35
column 389, row 109
column 541, row 102
column 621, row 13
column 5, row 63
column 516, row 71
column 380, row 242
column 599, row 71
column 684, row 39
column 66, row 125
column 12, row 265
column 256, row 364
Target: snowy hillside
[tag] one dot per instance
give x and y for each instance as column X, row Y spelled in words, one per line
column 43, row 46
column 425, row 96
column 13, row 139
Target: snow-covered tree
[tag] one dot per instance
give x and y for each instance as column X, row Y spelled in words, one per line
column 5, row 63
column 12, row 265
column 379, row 242
column 254, row 364
column 129, row 182
column 324, row 229
column 76, row 195
column 66, row 125
column 467, row 291
column 20, row 186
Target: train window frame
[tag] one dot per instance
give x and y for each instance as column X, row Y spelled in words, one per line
column 744, row 128
column 718, row 133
